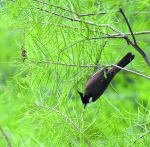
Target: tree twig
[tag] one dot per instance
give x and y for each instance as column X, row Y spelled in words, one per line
column 5, row 136
column 93, row 30
column 94, row 66
column 140, row 137
column 128, row 25
column 131, row 71
column 134, row 44
column 146, row 12
column 72, row 11
column 109, row 26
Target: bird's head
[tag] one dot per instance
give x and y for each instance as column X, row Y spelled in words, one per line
column 87, row 98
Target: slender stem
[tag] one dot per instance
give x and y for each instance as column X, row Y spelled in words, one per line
column 8, row 142
column 128, row 25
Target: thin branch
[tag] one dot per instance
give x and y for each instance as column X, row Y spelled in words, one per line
column 109, row 26
column 64, row 64
column 71, row 27
column 75, row 43
column 92, row 38
column 135, row 33
column 107, row 37
column 134, row 44
column 91, row 14
column 7, row 140
column 23, row 50
column 67, row 10
column 139, row 50
column 140, row 137
column 69, row 120
column 128, row 25
column 131, row 71
column 55, row 14
column 147, row 12
column 87, row 14
column 84, row 21
column 88, row 22
column 94, row 66
column 93, row 30
column 72, row 11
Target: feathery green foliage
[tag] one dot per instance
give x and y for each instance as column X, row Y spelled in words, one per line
column 39, row 102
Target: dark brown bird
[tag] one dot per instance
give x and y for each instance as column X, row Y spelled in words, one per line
column 98, row 83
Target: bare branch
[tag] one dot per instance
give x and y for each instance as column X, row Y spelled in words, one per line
column 131, row 71
column 55, row 14
column 128, row 25
column 147, row 12
column 94, row 66
column 72, row 27
column 67, row 10
column 64, row 64
column 72, row 10
column 140, row 137
column 88, row 14
column 5, row 136
column 93, row 30
column 134, row 44
column 135, row 33
column 75, row 43
column 82, row 40
column 91, row 14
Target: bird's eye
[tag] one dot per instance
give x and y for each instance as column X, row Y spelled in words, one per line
column 90, row 99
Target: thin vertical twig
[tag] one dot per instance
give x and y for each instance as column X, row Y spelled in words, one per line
column 134, row 44
column 128, row 25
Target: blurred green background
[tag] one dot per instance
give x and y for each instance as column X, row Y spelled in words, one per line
column 39, row 105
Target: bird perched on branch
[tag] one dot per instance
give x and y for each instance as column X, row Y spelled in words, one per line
column 98, row 83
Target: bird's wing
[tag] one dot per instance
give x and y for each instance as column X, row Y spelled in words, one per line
column 95, row 79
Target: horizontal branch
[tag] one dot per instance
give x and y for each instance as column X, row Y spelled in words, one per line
column 87, row 14
column 95, row 66
column 131, row 71
column 123, row 35
column 93, row 30
column 64, row 64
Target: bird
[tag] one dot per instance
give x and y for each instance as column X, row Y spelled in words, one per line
column 99, row 82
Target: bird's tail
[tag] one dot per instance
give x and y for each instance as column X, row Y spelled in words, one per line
column 126, row 60
column 123, row 62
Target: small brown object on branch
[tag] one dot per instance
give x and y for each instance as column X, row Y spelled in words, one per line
column 24, row 54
